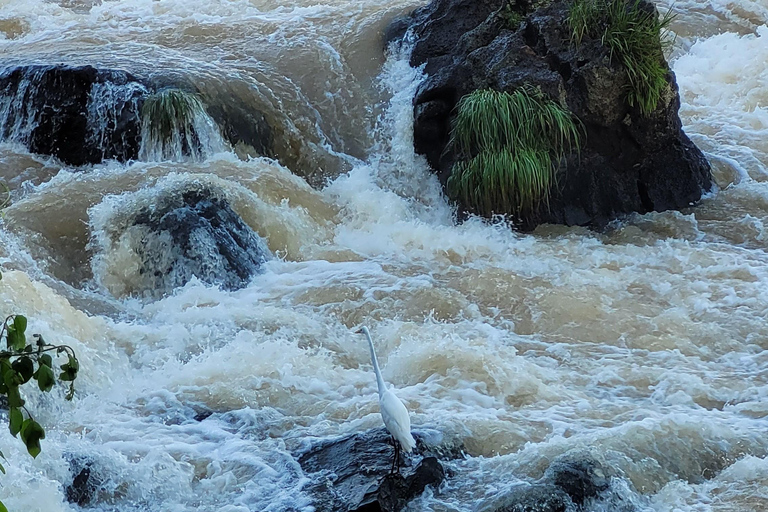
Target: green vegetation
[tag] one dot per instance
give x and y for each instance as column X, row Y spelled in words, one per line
column 166, row 111
column 22, row 362
column 637, row 36
column 508, row 148
column 510, row 16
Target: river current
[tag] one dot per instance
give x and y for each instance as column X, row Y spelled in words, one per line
column 644, row 345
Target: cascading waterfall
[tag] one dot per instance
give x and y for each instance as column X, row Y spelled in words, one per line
column 176, row 127
column 642, row 347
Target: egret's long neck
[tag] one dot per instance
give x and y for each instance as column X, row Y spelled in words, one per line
column 379, row 378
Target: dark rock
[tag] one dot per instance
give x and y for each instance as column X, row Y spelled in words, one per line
column 84, row 484
column 352, row 473
column 568, row 484
column 628, row 161
column 396, row 29
column 84, row 115
column 580, row 477
column 534, row 498
column 240, row 125
column 203, row 415
column 198, row 234
column 80, row 115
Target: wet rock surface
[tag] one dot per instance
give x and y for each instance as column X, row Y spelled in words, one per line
column 570, row 483
column 352, row 473
column 84, row 484
column 628, row 161
column 81, row 115
column 196, row 233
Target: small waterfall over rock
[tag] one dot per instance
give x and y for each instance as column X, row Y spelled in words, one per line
column 175, row 126
column 81, row 115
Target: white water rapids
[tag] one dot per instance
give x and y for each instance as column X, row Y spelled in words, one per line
column 645, row 346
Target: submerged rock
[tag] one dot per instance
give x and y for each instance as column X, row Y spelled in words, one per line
column 85, row 485
column 581, row 478
column 157, row 241
column 570, row 481
column 534, row 498
column 628, row 161
column 352, row 473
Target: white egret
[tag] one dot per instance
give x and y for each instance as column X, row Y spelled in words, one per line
column 393, row 412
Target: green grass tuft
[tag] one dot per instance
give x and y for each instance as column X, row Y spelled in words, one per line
column 165, row 111
column 636, row 36
column 511, row 17
column 508, row 147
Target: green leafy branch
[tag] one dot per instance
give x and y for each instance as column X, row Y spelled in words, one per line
column 21, row 362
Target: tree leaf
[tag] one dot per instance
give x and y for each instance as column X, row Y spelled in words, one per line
column 16, row 419
column 2, row 507
column 45, row 378
column 2, row 469
column 47, row 360
column 25, row 368
column 31, row 434
column 20, row 323
column 10, row 337
column 14, row 397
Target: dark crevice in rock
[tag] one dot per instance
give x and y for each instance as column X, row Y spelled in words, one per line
column 532, row 39
column 642, row 190
column 561, row 67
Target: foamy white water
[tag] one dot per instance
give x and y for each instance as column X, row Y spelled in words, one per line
column 645, row 346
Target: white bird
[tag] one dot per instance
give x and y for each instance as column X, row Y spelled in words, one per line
column 393, row 412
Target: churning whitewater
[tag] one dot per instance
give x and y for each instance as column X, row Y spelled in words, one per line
column 644, row 346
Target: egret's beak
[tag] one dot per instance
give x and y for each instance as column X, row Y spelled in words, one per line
column 359, row 331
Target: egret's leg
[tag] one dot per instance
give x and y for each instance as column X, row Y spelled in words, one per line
column 395, row 464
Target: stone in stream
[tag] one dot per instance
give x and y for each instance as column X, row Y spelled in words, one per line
column 204, row 238
column 628, row 160
column 84, row 115
column 153, row 241
column 81, row 115
column 351, row 473
column 84, row 484
column 568, row 484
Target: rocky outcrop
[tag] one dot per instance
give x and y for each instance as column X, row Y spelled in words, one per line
column 629, row 161
column 84, row 115
column 80, row 115
column 351, row 474
column 156, row 240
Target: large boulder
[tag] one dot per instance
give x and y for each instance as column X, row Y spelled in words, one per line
column 629, row 160
column 81, row 115
column 155, row 240
column 351, row 473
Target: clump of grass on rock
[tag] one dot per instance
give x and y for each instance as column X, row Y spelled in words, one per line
column 636, row 36
column 508, row 148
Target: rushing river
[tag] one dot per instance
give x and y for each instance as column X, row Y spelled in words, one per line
column 645, row 346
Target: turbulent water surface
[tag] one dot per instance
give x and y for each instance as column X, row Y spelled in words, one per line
column 645, row 346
